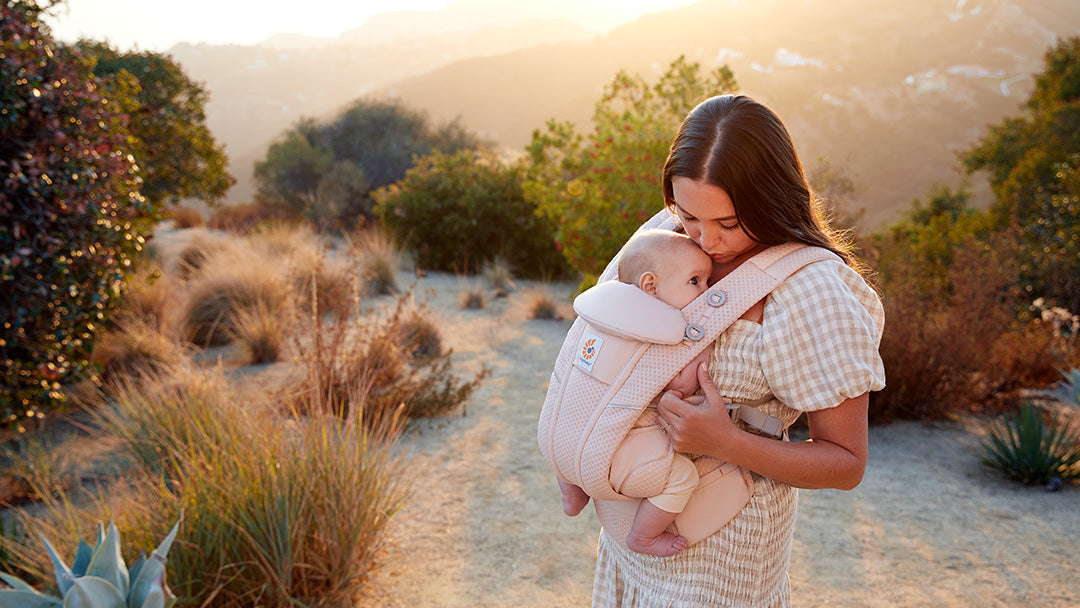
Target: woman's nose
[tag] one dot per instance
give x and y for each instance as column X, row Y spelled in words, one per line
column 709, row 239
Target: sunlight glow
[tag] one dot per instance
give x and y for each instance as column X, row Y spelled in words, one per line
column 156, row 26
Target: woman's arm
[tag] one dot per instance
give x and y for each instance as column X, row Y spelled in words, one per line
column 833, row 457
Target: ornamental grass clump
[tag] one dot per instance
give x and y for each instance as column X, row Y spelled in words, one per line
column 228, row 285
column 378, row 365
column 279, row 510
column 1028, row 448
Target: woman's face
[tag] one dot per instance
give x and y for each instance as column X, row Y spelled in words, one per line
column 708, row 215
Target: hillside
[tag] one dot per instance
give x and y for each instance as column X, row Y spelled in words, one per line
column 889, row 92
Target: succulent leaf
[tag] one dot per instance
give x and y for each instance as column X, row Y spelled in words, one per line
column 60, row 570
column 152, row 572
column 155, row 599
column 133, row 571
column 108, row 563
column 93, row 592
column 82, row 558
column 15, row 582
column 22, row 598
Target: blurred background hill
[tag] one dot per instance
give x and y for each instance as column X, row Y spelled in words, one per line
column 887, row 91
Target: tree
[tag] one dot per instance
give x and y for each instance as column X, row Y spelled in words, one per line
column 1032, row 163
column 598, row 188
column 71, row 216
column 380, row 138
column 457, row 212
column 176, row 153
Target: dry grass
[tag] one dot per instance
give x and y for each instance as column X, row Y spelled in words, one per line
column 471, row 298
column 150, row 294
column 305, row 530
column 379, row 365
column 499, row 277
column 261, row 332
column 230, row 284
column 185, row 217
column 193, row 257
column 378, row 259
column 245, row 217
column 136, row 345
column 541, row 305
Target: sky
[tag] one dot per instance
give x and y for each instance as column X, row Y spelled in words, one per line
column 154, row 25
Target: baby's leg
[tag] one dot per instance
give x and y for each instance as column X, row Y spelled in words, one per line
column 574, row 498
column 648, row 536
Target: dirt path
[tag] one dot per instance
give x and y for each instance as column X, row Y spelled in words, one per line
column 927, row 527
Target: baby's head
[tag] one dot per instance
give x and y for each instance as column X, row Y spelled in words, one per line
column 667, row 265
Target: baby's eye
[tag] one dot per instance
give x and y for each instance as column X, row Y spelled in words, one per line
column 694, row 281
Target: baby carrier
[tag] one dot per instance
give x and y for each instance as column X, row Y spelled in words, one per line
column 617, row 359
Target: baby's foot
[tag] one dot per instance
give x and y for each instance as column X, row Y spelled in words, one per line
column 664, row 545
column 574, row 499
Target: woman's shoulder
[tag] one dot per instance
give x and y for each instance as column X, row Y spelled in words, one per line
column 825, row 277
column 827, row 288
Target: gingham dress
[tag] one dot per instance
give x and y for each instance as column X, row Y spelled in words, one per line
column 816, row 346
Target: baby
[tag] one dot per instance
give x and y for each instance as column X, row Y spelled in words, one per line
column 671, row 267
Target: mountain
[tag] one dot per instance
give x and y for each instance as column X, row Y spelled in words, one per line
column 889, row 92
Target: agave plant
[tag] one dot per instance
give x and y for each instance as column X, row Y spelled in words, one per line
column 1072, row 386
column 98, row 578
column 1025, row 448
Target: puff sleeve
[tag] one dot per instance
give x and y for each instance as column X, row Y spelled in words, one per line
column 821, row 330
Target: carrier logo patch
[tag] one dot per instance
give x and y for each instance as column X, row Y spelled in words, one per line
column 590, row 348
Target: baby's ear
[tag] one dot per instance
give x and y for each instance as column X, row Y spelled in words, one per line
column 647, row 283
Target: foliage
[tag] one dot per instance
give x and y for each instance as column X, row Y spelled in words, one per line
column 326, row 170
column 1025, row 448
column 99, row 577
column 953, row 340
column 278, row 511
column 458, row 212
column 378, row 366
column 72, row 217
column 597, row 188
column 1072, row 386
column 1033, row 166
column 176, row 153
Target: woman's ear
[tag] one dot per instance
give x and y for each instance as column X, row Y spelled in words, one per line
column 647, row 283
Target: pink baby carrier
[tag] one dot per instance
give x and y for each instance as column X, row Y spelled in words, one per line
column 615, row 365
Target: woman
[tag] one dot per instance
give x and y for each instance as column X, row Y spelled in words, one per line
column 733, row 182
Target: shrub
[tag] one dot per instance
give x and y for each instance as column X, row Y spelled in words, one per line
column 953, row 340
column 378, row 259
column 135, row 346
column 71, row 217
column 185, row 217
column 458, row 212
column 471, row 298
column 195, row 255
column 1025, row 448
column 499, row 277
column 541, row 305
column 229, row 285
column 277, row 512
column 262, row 333
column 150, row 294
column 598, row 186
column 365, row 365
column 245, row 217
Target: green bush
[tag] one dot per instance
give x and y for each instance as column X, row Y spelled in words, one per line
column 1027, row 449
column 598, row 187
column 72, row 218
column 462, row 211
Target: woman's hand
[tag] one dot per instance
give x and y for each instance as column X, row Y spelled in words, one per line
column 697, row 426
